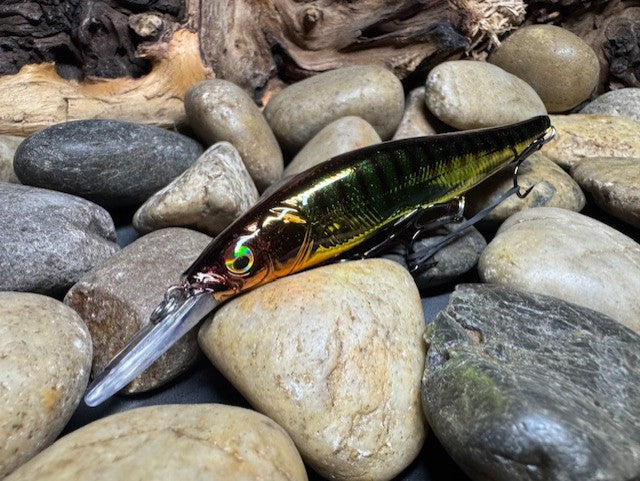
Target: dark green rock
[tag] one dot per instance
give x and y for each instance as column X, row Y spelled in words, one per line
column 521, row 386
column 109, row 162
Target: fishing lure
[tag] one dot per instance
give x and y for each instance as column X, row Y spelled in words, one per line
column 350, row 206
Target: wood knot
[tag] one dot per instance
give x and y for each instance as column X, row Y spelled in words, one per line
column 310, row 18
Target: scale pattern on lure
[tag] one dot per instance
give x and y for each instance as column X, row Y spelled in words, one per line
column 332, row 208
column 324, row 213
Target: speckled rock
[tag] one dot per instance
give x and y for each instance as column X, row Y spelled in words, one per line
column 570, row 256
column 45, row 360
column 165, row 443
column 622, row 102
column 301, row 110
column 553, row 188
column 529, row 387
column 467, row 95
column 208, row 196
column 614, row 184
column 8, row 146
column 49, row 239
column 116, row 299
column 110, row 162
column 415, row 120
column 451, row 261
column 340, row 136
column 327, row 356
column 561, row 67
column 219, row 110
column 584, row 135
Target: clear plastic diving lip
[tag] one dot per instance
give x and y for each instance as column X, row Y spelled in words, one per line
column 147, row 346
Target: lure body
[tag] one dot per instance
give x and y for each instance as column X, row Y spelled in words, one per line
column 334, row 207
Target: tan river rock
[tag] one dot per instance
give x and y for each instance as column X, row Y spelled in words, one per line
column 192, row 442
column 335, row 356
column 8, row 147
column 585, row 135
column 45, row 361
column 570, row 256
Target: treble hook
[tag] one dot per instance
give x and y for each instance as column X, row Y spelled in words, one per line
column 536, row 145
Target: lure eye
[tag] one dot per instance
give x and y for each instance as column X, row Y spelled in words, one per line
column 240, row 261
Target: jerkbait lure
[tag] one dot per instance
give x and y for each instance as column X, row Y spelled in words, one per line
column 347, row 207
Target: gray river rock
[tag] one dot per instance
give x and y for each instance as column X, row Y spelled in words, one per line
column 520, row 386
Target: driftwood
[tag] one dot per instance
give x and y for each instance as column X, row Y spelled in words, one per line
column 134, row 59
column 611, row 27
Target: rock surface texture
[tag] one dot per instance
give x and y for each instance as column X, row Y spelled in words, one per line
column 584, row 135
column 8, row 146
column 335, row 358
column 165, row 443
column 219, row 110
column 302, row 109
column 468, row 95
column 559, row 65
column 49, row 239
column 45, row 361
column 208, row 196
column 614, row 184
column 524, row 386
column 109, row 162
column 116, row 299
column 343, row 135
column 569, row 256
column 416, row 120
column 622, row 102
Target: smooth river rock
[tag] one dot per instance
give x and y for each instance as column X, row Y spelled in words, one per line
column 45, row 360
column 190, row 442
column 467, row 94
column 49, row 239
column 8, row 146
column 585, row 135
column 116, row 299
column 416, row 120
column 300, row 111
column 614, row 184
column 520, row 386
column 333, row 357
column 109, row 162
column 219, row 110
column 622, row 102
column 553, row 188
column 340, row 136
column 208, row 196
column 570, row 256
column 561, row 67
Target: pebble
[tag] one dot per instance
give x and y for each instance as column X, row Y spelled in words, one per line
column 570, row 256
column 8, row 146
column 622, row 102
column 219, row 110
column 301, row 110
column 109, row 162
column 467, row 94
column 415, row 121
column 168, row 442
column 561, row 67
column 585, row 135
column 335, row 356
column 451, row 261
column 340, row 136
column 49, row 239
column 520, row 386
column 614, row 184
column 116, row 299
column 553, row 188
column 208, row 196
column 45, row 359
